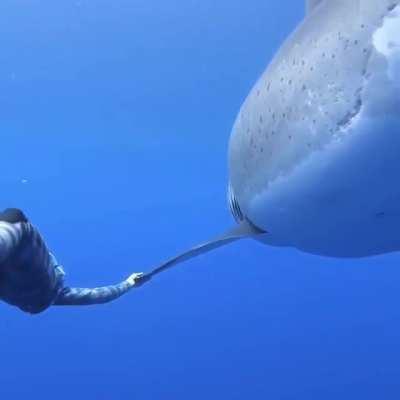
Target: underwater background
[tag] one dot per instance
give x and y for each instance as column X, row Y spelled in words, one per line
column 115, row 118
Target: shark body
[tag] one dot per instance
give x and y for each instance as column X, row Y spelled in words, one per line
column 314, row 155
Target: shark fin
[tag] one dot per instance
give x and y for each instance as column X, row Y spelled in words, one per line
column 311, row 4
column 242, row 231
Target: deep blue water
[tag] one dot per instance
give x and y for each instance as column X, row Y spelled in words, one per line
column 115, row 118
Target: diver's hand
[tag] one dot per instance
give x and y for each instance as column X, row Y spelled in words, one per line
column 134, row 278
column 137, row 279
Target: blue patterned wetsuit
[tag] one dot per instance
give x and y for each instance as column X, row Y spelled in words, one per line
column 30, row 277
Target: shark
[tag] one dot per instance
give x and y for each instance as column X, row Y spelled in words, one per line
column 314, row 153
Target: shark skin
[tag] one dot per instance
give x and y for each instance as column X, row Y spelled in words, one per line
column 314, row 154
column 311, row 4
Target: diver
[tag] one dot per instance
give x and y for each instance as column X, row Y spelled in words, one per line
column 32, row 279
column 30, row 276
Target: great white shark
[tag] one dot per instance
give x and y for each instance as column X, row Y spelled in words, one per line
column 314, row 154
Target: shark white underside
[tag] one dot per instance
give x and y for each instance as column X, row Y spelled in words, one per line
column 315, row 151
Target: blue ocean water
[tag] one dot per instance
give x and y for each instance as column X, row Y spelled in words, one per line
column 115, row 119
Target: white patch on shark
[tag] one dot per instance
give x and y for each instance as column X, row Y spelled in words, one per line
column 386, row 41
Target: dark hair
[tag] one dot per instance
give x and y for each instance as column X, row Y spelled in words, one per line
column 13, row 215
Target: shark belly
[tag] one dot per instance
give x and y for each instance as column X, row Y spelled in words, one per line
column 343, row 201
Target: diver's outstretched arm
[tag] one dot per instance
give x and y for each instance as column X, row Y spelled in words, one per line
column 88, row 296
column 83, row 296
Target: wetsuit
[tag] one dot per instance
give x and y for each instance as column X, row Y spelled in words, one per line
column 31, row 278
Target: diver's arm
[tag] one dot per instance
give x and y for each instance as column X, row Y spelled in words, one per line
column 89, row 296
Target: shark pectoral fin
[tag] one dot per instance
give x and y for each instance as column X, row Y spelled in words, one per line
column 311, row 4
column 242, row 231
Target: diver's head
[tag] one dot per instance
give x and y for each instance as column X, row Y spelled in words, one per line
column 13, row 216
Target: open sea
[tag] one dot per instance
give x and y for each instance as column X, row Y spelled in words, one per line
column 115, row 118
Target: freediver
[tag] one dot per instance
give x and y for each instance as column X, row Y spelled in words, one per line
column 32, row 279
column 30, row 276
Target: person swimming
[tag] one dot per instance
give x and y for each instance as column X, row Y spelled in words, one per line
column 32, row 279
